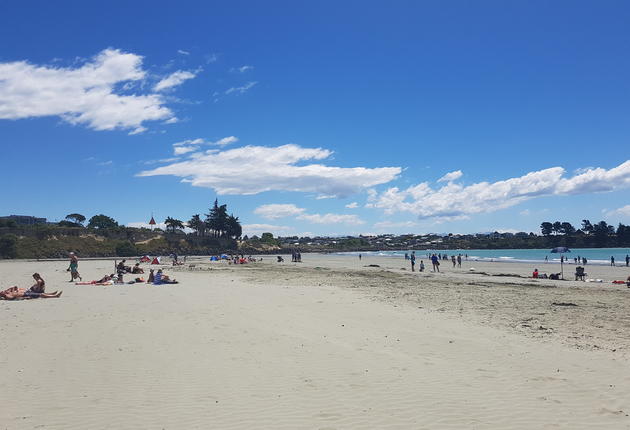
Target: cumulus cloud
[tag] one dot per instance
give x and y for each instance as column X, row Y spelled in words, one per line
column 241, row 90
column 451, row 176
column 88, row 95
column 352, row 205
column 255, row 169
column 622, row 212
column 173, row 80
column 275, row 211
column 455, row 201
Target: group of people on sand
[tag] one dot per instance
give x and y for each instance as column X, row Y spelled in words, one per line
column 456, row 260
column 36, row 291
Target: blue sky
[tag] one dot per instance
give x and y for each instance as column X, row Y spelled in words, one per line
column 320, row 118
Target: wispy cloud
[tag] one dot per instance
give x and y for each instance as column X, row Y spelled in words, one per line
column 174, row 79
column 211, row 58
column 182, row 52
column 191, row 145
column 241, row 90
column 241, row 69
column 84, row 95
column 451, row 176
column 274, row 169
column 352, row 205
column 456, row 201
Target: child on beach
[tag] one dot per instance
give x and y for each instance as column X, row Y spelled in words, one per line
column 74, row 268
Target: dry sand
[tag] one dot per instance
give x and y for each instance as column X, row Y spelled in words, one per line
column 325, row 344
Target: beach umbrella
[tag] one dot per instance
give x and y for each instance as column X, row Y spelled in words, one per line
column 561, row 250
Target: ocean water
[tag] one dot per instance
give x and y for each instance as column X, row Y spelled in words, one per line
column 593, row 255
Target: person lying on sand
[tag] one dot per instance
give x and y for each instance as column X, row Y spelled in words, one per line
column 161, row 278
column 15, row 293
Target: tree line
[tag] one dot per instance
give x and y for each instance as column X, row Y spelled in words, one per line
column 216, row 223
column 598, row 234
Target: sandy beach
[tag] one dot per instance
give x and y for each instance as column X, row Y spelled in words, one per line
column 330, row 343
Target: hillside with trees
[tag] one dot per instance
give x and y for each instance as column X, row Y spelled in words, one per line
column 217, row 232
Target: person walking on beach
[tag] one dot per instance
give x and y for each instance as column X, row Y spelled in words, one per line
column 413, row 261
column 435, row 262
column 627, row 260
column 459, row 260
column 453, row 260
column 359, row 257
column 546, row 259
column 74, row 268
column 612, row 261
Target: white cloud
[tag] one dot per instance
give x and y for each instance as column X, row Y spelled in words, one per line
column 85, row 95
column 191, row 145
column 181, row 51
column 455, row 201
column 256, row 169
column 352, row 205
column 241, row 90
column 180, row 150
column 275, row 211
column 162, row 160
column 622, row 212
column 451, row 176
column 211, row 58
column 241, row 69
column 225, row 141
column 173, row 80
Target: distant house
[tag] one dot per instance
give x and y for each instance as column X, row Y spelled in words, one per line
column 24, row 219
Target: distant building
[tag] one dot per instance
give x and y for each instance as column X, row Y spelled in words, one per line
column 24, row 219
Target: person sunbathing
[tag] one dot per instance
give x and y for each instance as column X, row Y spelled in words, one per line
column 105, row 278
column 15, row 293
